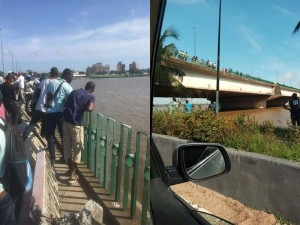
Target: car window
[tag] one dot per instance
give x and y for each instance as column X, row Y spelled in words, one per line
column 200, row 45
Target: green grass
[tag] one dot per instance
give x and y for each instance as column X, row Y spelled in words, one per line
column 239, row 132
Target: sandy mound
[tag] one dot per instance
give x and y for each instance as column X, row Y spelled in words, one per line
column 222, row 206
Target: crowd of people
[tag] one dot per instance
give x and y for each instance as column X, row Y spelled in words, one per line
column 65, row 112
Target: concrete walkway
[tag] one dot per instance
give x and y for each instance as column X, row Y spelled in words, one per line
column 73, row 197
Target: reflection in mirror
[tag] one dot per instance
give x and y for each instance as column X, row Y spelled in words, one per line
column 203, row 162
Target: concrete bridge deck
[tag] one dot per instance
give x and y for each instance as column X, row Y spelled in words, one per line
column 235, row 91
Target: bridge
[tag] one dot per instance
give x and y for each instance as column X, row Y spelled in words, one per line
column 237, row 91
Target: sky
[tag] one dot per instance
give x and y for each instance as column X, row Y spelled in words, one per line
column 256, row 35
column 40, row 34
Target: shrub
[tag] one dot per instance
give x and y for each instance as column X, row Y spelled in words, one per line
column 239, row 132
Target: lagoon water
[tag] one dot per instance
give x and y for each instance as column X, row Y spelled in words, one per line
column 277, row 115
column 126, row 100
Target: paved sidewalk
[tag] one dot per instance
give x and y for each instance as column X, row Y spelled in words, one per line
column 73, row 197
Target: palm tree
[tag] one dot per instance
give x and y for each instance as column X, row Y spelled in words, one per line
column 164, row 72
column 296, row 28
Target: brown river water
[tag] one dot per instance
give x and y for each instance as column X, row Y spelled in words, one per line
column 126, row 100
column 278, row 115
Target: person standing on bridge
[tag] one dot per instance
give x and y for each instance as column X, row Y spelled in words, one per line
column 78, row 101
column 294, row 106
column 54, row 114
column 9, row 100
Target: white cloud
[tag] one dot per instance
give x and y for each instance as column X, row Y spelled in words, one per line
column 128, row 39
column 251, row 37
column 285, row 11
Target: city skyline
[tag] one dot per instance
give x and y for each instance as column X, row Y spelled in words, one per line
column 54, row 33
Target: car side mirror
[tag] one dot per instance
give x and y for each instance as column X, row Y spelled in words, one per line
column 200, row 161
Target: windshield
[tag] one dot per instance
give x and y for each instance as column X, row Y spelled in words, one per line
column 221, row 77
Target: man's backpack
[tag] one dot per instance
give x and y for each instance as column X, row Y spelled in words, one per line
column 17, row 178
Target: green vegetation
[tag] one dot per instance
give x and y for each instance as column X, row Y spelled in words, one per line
column 164, row 73
column 241, row 132
column 282, row 221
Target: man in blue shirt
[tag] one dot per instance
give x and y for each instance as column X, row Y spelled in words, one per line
column 77, row 103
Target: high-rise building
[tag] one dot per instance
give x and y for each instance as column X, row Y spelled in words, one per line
column 120, row 67
column 133, row 68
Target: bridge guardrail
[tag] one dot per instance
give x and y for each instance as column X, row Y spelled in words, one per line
column 110, row 155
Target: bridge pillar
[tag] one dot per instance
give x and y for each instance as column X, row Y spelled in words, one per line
column 243, row 102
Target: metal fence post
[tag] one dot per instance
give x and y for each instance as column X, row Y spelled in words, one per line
column 100, row 119
column 120, row 156
column 107, row 144
column 132, row 160
column 101, row 156
column 86, row 138
column 92, row 142
column 146, row 190
column 126, row 174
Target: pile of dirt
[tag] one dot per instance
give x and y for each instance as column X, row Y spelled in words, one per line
column 222, row 206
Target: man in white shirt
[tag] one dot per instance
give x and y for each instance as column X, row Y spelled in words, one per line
column 21, row 82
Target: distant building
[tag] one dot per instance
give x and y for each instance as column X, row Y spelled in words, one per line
column 133, row 68
column 79, row 74
column 120, row 67
column 98, row 69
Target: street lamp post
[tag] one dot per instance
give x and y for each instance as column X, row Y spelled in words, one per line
column 218, row 62
column 12, row 61
column 2, row 51
column 194, row 28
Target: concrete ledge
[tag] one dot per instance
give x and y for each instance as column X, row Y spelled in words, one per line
column 45, row 189
column 38, row 160
column 258, row 181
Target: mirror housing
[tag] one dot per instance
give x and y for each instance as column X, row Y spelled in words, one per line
column 201, row 161
column 197, row 162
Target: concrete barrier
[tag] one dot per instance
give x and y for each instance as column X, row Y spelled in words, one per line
column 258, row 181
column 45, row 188
column 44, row 195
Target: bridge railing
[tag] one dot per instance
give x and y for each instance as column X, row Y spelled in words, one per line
column 117, row 156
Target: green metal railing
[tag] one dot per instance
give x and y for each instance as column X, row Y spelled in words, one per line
column 111, row 156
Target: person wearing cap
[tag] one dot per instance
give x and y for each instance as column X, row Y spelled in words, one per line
column 294, row 107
